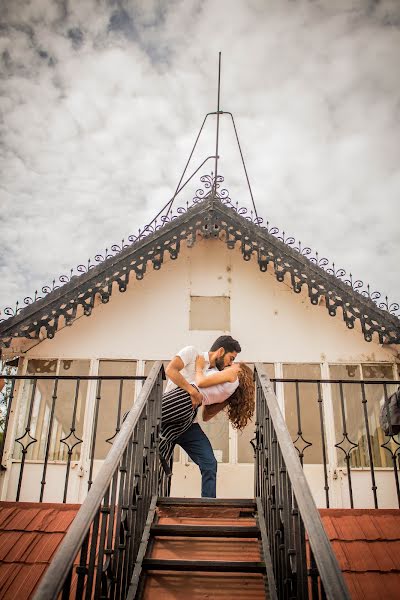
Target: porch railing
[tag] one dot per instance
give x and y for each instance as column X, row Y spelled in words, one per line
column 303, row 561
column 97, row 556
column 43, row 438
column 334, row 424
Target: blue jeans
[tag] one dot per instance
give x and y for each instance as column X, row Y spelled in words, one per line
column 195, row 442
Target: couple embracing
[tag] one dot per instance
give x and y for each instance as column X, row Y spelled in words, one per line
column 210, row 380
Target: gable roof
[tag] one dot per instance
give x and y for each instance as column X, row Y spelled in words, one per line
column 212, row 218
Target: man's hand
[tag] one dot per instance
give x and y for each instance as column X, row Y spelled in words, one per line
column 173, row 373
column 195, row 396
column 210, row 410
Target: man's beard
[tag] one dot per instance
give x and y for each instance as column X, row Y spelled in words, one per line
column 219, row 363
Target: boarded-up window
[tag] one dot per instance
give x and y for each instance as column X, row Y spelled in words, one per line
column 210, row 313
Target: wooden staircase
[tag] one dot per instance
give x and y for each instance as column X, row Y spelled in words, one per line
column 202, row 549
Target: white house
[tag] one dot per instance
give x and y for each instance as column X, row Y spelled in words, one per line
column 204, row 272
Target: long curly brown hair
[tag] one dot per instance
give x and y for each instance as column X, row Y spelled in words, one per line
column 242, row 402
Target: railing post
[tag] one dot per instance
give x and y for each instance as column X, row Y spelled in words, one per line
column 9, row 441
column 334, row 486
column 84, row 461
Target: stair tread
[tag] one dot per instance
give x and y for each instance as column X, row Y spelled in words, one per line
column 206, row 548
column 212, row 502
column 164, row 585
column 206, row 512
column 203, row 565
column 207, row 530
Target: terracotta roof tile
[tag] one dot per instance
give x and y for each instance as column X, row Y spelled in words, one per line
column 44, row 547
column 7, row 573
column 9, row 539
column 368, row 527
column 60, row 521
column 369, row 586
column 367, row 546
column 22, row 581
column 5, row 514
column 351, row 524
column 20, row 544
column 330, row 528
column 367, row 556
column 30, row 533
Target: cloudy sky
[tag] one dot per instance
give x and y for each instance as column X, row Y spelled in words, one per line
column 101, row 100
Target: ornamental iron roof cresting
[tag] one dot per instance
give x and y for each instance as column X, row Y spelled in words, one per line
column 209, row 216
column 211, row 189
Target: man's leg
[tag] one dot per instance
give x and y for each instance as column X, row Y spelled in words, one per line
column 195, row 442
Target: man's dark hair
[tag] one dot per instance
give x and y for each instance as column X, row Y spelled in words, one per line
column 227, row 343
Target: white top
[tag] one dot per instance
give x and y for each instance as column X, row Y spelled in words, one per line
column 188, row 354
column 215, row 394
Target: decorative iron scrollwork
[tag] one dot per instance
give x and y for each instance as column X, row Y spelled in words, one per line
column 210, row 213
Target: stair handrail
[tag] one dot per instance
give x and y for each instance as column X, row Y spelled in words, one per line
column 322, row 555
column 104, row 486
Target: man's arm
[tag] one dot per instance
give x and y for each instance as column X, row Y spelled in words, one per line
column 173, row 373
column 210, row 410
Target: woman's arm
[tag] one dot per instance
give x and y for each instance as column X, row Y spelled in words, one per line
column 211, row 410
column 228, row 374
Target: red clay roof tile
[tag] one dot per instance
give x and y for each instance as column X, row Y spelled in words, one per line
column 5, row 514
column 369, row 586
column 30, row 533
column 23, row 542
column 351, row 524
column 44, row 547
column 7, row 572
column 367, row 546
column 367, row 556
column 9, row 539
column 24, row 581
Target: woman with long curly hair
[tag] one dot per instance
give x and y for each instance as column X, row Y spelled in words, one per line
column 233, row 387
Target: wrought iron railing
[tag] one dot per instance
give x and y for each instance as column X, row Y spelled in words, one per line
column 42, row 437
column 303, row 560
column 334, row 425
column 97, row 556
column 346, row 439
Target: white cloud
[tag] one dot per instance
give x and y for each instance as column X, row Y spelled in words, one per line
column 101, row 103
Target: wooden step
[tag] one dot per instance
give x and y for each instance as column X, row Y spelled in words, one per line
column 163, row 585
column 206, row 548
column 211, row 502
column 218, row 513
column 213, row 531
column 209, row 566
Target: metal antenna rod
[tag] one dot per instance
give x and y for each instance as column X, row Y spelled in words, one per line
column 217, row 133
